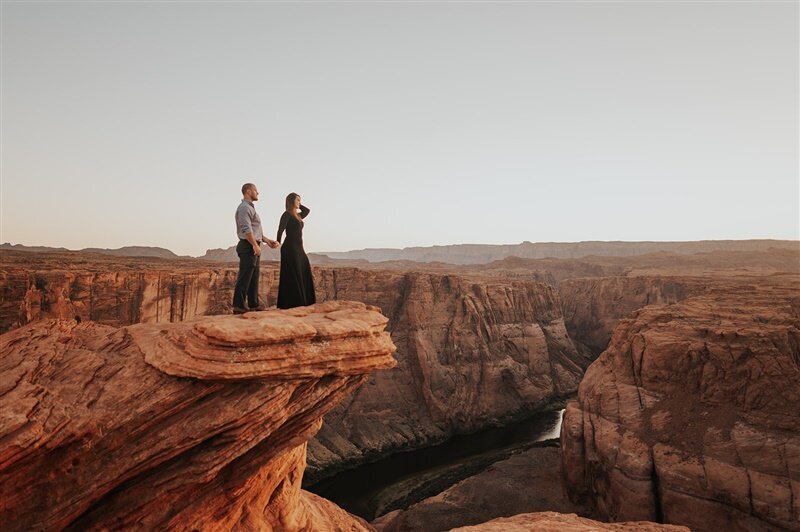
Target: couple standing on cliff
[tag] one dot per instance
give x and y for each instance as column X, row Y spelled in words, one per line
column 296, row 285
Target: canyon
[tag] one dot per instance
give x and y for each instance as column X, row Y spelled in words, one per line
column 473, row 351
column 482, row 345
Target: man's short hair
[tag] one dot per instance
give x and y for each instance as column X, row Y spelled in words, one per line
column 246, row 187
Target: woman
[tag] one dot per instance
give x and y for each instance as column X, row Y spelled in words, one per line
column 296, row 286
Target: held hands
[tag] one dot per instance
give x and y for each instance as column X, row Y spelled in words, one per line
column 271, row 243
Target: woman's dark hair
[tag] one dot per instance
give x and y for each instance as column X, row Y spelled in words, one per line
column 290, row 204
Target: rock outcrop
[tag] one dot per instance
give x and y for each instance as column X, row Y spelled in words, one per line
column 692, row 414
column 196, row 425
column 555, row 522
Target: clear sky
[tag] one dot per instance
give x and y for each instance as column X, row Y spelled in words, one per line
column 399, row 123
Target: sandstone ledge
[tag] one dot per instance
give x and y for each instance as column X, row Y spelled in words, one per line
column 106, row 428
column 345, row 338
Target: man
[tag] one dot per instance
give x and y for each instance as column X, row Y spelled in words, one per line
column 248, row 228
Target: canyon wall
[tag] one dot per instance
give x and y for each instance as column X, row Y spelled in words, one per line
column 692, row 414
column 473, row 351
column 593, row 306
column 195, row 425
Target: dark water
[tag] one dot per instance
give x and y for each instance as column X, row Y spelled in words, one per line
column 408, row 477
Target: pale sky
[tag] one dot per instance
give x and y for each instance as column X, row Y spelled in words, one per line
column 399, row 123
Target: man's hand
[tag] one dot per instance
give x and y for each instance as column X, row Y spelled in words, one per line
column 272, row 243
column 257, row 251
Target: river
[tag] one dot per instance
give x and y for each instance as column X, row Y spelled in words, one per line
column 408, row 477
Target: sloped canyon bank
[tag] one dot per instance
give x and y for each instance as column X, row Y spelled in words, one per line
column 484, row 345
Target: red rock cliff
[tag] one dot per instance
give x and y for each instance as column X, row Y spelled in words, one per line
column 593, row 306
column 196, row 425
column 692, row 414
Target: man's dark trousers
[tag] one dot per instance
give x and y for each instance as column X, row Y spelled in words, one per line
column 247, row 280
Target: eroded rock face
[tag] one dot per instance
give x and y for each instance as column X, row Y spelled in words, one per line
column 471, row 353
column 197, row 425
column 692, row 414
column 593, row 306
column 112, row 295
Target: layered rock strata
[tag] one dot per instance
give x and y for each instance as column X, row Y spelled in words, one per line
column 692, row 414
column 106, row 291
column 197, row 425
column 593, row 306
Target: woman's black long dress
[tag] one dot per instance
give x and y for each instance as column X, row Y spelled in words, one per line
column 296, row 285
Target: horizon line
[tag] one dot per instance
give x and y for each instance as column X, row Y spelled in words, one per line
column 7, row 245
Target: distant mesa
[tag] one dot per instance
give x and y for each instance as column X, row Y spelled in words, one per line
column 135, row 251
column 485, row 253
column 126, row 251
column 229, row 254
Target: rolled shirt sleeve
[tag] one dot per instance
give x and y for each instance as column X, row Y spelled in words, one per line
column 248, row 221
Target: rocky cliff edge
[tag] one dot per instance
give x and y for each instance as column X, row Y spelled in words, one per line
column 195, row 425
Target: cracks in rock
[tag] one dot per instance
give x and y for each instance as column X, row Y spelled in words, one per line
column 637, row 380
column 658, row 507
column 405, row 289
column 781, row 448
column 749, row 479
column 158, row 299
